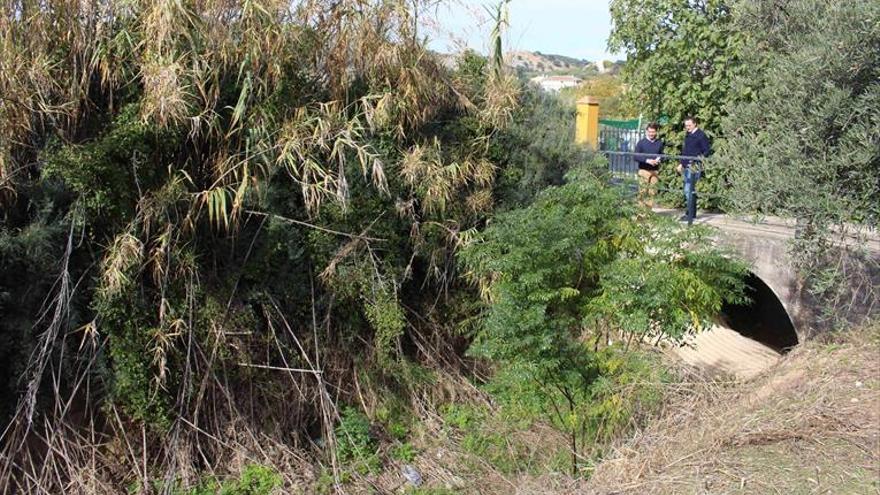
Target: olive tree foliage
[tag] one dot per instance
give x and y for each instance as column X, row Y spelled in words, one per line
column 806, row 145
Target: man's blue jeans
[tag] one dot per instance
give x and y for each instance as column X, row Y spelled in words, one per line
column 690, row 192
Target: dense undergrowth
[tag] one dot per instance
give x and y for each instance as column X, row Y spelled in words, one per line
column 234, row 241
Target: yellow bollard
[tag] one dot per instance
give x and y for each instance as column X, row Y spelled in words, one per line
column 587, row 124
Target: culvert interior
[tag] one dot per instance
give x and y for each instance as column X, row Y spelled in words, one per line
column 763, row 319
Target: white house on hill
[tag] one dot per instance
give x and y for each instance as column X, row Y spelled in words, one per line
column 555, row 83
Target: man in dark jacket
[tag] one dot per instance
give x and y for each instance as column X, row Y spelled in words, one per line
column 649, row 166
column 696, row 145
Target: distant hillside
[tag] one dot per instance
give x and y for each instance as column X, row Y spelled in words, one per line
column 536, row 63
column 542, row 62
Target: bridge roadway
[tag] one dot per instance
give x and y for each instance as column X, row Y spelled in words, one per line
column 783, row 312
column 768, row 227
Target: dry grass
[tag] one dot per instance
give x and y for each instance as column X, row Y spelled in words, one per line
column 80, row 445
column 447, row 464
column 811, row 424
column 61, row 62
column 65, row 457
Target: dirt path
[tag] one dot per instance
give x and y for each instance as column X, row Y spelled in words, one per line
column 724, row 351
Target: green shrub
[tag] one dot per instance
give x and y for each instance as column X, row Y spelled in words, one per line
column 326, row 482
column 386, row 318
column 806, row 146
column 394, row 417
column 128, row 152
column 254, row 479
column 500, row 437
column 355, row 445
column 404, row 452
column 574, row 267
column 462, row 416
column 537, row 150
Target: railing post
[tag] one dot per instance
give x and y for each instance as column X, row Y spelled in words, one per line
column 587, row 124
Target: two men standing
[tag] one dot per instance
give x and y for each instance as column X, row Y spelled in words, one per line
column 696, row 146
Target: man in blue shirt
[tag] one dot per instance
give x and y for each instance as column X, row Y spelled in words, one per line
column 649, row 166
column 696, row 145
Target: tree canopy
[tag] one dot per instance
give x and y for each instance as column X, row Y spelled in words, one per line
column 680, row 57
column 786, row 88
column 789, row 91
column 578, row 267
column 807, row 143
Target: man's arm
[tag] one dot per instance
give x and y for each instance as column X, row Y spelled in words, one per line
column 704, row 145
column 639, row 149
column 683, row 162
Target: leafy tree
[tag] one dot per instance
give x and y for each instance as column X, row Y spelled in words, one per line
column 681, row 56
column 807, row 145
column 536, row 150
column 608, row 89
column 576, row 267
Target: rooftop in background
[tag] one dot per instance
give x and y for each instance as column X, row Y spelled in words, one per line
column 556, row 83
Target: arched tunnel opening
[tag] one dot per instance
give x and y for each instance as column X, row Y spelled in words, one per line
column 763, row 319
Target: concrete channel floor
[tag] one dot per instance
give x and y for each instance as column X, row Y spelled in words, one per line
column 722, row 351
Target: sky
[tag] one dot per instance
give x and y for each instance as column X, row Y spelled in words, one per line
column 575, row 28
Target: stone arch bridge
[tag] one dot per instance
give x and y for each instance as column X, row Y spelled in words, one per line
column 783, row 312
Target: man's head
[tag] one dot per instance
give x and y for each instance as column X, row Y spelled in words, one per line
column 690, row 124
column 651, row 131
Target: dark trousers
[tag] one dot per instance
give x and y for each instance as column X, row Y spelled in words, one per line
column 690, row 192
